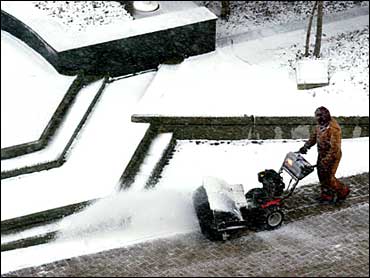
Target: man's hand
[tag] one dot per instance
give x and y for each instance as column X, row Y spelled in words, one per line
column 303, row 150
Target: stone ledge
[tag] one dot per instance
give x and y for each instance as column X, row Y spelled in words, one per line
column 246, row 119
column 166, row 120
column 249, row 127
column 157, row 39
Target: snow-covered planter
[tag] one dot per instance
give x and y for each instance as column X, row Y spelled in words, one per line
column 100, row 37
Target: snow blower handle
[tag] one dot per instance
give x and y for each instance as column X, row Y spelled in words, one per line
column 300, row 153
column 302, row 150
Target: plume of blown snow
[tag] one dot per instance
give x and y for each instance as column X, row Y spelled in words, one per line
column 134, row 215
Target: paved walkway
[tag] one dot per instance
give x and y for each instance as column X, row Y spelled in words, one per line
column 316, row 240
column 259, row 33
column 271, row 46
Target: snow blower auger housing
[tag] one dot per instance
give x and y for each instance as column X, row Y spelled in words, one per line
column 222, row 208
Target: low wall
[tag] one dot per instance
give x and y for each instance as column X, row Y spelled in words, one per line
column 23, row 32
column 250, row 127
column 141, row 52
column 147, row 43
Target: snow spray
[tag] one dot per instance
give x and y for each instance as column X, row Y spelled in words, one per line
column 133, row 215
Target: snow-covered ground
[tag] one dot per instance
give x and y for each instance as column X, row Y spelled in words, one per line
column 62, row 29
column 31, row 90
column 258, row 78
column 250, row 15
column 56, row 147
column 232, row 161
column 154, row 214
column 62, row 24
column 96, row 159
column 125, row 218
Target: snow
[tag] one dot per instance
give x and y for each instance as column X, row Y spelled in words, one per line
column 223, row 196
column 231, row 161
column 133, row 216
column 32, row 232
column 156, row 150
column 80, row 15
column 52, row 19
column 254, row 77
column 151, row 217
column 31, row 90
column 49, row 28
column 96, row 159
column 251, row 90
column 250, row 78
column 310, row 71
column 146, row 6
column 247, row 16
column 64, row 133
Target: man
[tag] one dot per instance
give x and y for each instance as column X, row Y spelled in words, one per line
column 327, row 135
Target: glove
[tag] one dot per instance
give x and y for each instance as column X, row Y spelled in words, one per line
column 303, row 150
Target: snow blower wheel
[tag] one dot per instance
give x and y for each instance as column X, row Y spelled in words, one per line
column 274, row 218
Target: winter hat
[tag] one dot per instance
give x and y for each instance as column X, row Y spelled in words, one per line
column 323, row 115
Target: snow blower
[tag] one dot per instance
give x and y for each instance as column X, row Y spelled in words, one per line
column 222, row 208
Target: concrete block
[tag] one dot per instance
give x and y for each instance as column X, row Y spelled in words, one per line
column 312, row 73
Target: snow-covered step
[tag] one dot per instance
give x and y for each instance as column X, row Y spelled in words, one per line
column 166, row 75
column 31, row 90
column 99, row 154
column 63, row 135
column 32, row 232
column 156, row 151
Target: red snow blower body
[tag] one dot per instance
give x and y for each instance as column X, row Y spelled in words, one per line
column 222, row 208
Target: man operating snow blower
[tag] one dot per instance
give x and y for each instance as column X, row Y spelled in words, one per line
column 327, row 134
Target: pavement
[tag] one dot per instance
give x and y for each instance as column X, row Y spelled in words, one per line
column 268, row 45
column 315, row 240
column 299, row 25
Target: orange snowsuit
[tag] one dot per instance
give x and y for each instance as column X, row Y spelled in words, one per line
column 329, row 154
